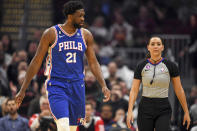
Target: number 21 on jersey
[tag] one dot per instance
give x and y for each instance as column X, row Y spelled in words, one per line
column 71, row 57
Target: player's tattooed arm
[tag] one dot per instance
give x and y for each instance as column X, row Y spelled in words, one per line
column 47, row 38
column 93, row 63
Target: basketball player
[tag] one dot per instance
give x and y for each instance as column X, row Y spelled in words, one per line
column 155, row 73
column 66, row 45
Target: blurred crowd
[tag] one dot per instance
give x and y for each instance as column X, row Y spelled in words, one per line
column 115, row 24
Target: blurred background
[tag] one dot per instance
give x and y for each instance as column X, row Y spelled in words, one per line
column 121, row 29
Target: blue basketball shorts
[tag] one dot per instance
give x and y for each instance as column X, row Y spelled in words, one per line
column 67, row 99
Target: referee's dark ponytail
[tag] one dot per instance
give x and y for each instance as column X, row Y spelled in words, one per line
column 148, row 55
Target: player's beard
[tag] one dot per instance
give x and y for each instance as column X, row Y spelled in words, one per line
column 78, row 26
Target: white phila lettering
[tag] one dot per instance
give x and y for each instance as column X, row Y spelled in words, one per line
column 60, row 46
column 70, row 45
column 66, row 45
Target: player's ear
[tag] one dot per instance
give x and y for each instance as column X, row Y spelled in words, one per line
column 69, row 16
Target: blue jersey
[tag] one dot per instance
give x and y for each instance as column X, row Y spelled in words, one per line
column 65, row 56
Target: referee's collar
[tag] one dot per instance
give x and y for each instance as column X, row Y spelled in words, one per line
column 156, row 63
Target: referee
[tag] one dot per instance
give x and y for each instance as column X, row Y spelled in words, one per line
column 155, row 73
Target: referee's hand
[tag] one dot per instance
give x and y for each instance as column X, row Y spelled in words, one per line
column 186, row 119
column 129, row 118
column 106, row 93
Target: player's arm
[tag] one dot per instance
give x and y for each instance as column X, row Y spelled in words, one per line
column 182, row 99
column 47, row 38
column 93, row 63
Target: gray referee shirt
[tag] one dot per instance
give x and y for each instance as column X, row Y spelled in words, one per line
column 164, row 70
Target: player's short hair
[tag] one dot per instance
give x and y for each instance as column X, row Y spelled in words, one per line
column 71, row 6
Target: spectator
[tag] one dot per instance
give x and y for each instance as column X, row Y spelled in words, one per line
column 143, row 22
column 93, row 123
column 17, row 57
column 193, row 112
column 22, row 55
column 30, row 94
column 6, row 57
column 192, row 95
column 31, row 50
column 116, row 100
column 22, row 65
column 4, row 90
column 3, row 107
column 125, row 90
column 13, row 121
column 37, row 34
column 99, row 31
column 112, row 69
column 107, row 116
column 120, row 117
column 103, row 53
column 119, row 39
column 191, row 48
column 124, row 72
column 7, row 44
column 157, row 13
column 42, row 121
column 34, row 106
column 120, row 32
column 92, row 86
column 193, row 45
column 171, row 20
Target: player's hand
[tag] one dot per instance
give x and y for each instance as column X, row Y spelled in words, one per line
column 106, row 93
column 19, row 98
column 186, row 118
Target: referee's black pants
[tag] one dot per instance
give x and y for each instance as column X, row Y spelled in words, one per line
column 154, row 113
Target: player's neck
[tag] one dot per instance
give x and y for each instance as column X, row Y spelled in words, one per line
column 68, row 27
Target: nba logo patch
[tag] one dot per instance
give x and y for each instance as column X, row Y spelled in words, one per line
column 148, row 67
column 78, row 34
column 162, row 69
